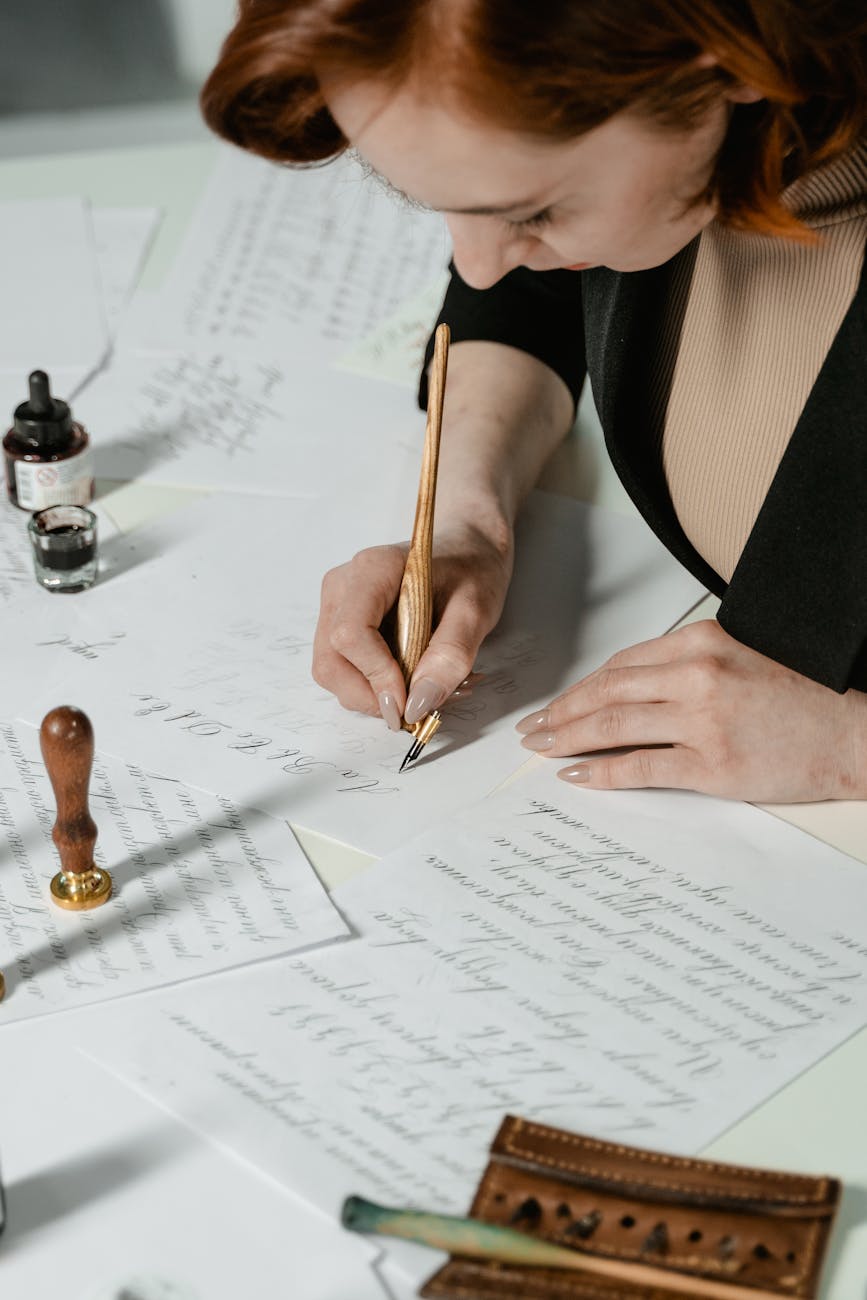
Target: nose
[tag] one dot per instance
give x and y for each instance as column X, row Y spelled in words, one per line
column 484, row 250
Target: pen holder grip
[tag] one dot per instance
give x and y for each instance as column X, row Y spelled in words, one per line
column 414, row 615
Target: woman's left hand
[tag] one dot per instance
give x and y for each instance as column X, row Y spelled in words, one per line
column 697, row 710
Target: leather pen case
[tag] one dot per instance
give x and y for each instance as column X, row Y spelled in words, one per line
column 716, row 1223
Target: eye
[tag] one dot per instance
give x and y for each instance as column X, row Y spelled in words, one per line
column 535, row 222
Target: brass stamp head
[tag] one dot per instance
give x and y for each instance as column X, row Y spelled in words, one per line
column 80, row 890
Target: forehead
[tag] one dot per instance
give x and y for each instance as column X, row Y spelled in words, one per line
column 442, row 157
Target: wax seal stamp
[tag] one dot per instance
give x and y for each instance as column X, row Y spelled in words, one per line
column 66, row 739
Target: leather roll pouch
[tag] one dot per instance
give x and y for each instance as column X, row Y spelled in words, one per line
column 727, row 1223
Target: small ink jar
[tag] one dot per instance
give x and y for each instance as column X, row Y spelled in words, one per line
column 64, row 547
column 47, row 453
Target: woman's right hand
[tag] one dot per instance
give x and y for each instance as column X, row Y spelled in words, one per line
column 505, row 411
column 351, row 658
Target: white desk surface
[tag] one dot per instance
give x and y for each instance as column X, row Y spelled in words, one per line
column 816, row 1123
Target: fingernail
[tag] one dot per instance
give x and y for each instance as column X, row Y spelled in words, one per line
column 580, row 772
column 473, row 679
column 532, row 722
column 424, row 696
column 538, row 741
column 389, row 710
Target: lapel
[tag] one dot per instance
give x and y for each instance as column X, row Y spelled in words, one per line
column 799, row 592
column 623, row 314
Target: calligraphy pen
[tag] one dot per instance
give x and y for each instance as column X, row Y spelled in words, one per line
column 475, row 1239
column 414, row 614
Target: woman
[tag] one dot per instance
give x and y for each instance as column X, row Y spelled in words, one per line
column 672, row 193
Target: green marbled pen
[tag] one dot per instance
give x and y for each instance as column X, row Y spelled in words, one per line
column 477, row 1240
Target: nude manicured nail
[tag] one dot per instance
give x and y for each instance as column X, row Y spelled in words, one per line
column 538, row 741
column 424, row 696
column 532, row 722
column 389, row 710
column 580, row 772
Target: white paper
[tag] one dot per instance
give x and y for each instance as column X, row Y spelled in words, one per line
column 638, row 966
column 200, row 885
column 123, row 237
column 16, row 563
column 395, row 349
column 44, row 628
column 280, row 261
column 88, row 269
column 223, row 422
column 54, row 314
column 125, row 1203
column 227, row 702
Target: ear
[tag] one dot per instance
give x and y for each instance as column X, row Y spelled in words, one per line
column 737, row 94
column 741, row 94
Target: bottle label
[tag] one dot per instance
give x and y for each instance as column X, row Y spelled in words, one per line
column 55, row 482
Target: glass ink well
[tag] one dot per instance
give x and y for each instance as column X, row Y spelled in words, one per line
column 47, row 453
column 63, row 539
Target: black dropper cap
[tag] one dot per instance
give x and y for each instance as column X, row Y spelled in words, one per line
column 42, row 419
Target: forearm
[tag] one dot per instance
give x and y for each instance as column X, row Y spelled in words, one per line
column 505, row 413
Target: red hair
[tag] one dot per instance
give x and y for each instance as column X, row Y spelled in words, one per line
column 558, row 68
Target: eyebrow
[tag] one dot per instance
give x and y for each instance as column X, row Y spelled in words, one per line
column 534, row 205
column 493, row 210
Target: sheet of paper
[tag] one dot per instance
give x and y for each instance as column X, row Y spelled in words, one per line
column 90, row 265
column 47, row 256
column 200, row 885
column 228, row 422
column 280, row 260
column 123, row 237
column 159, row 582
column 131, row 1205
column 395, row 349
column 227, row 701
column 639, row 966
column 43, row 627
column 16, row 564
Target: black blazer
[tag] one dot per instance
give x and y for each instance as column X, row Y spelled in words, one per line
column 799, row 592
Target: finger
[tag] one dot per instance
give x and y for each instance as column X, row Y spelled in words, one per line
column 605, row 688
column 672, row 768
column 362, row 673
column 613, row 687
column 448, row 660
column 611, row 727
column 350, row 622
column 704, row 636
column 347, row 685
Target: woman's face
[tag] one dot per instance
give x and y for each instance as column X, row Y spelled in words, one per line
column 620, row 196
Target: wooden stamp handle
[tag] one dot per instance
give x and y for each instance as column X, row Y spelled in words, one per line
column 66, row 739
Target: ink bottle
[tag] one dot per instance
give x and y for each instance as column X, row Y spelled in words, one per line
column 47, row 454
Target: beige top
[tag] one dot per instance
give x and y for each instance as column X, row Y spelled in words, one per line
column 760, row 316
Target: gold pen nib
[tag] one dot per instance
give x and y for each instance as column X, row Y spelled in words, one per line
column 422, row 732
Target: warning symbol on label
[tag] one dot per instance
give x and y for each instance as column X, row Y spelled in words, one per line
column 46, row 476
